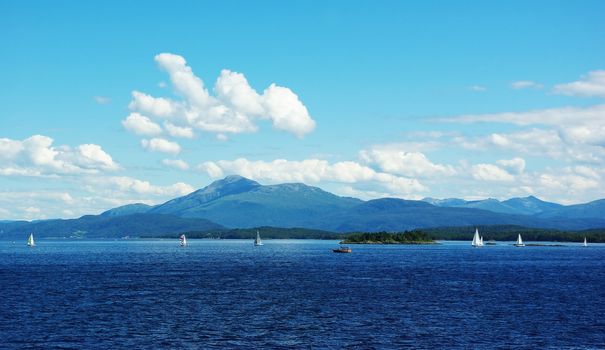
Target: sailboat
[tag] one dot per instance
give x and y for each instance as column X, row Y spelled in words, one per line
column 30, row 240
column 183, row 240
column 519, row 242
column 585, row 243
column 477, row 240
column 258, row 241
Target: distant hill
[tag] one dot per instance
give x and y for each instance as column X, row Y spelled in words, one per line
column 595, row 209
column 397, row 215
column 241, row 203
column 531, row 205
column 98, row 226
column 521, row 206
column 129, row 209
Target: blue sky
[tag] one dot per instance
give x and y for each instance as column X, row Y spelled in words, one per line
column 403, row 99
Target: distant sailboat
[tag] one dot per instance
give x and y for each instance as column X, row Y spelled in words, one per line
column 519, row 242
column 477, row 240
column 183, row 241
column 258, row 241
column 30, row 240
column 585, row 243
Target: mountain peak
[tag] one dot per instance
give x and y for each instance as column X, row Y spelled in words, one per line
column 233, row 178
column 230, row 179
column 231, row 184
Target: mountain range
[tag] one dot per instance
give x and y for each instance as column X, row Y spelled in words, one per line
column 237, row 202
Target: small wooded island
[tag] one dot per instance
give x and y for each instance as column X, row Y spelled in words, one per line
column 407, row 237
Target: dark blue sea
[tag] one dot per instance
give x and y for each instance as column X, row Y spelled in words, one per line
column 298, row 294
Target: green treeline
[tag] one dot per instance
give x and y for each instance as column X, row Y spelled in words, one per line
column 407, row 237
column 266, row 232
column 510, row 232
column 489, row 232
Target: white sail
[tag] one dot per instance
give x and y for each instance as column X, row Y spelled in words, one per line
column 258, row 241
column 585, row 243
column 477, row 241
column 519, row 241
column 183, row 241
column 30, row 240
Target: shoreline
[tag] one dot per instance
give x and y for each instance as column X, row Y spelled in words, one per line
column 390, row 243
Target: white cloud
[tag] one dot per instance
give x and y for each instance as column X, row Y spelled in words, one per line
column 178, row 131
column 102, row 100
column 588, row 86
column 31, row 211
column 9, row 148
column 90, row 156
column 575, row 125
column 232, row 88
column 183, row 79
column 589, row 133
column 161, row 145
column 393, row 159
column 128, row 184
column 222, row 137
column 490, row 172
column 552, row 116
column 311, row 171
column 535, row 142
column 84, row 194
column 567, row 183
column 155, row 106
column 515, row 165
column 176, row 163
column 141, row 125
column 12, row 196
column 235, row 108
column 525, row 84
column 585, row 171
column 36, row 156
column 30, row 202
column 286, row 111
column 349, row 191
column 477, row 88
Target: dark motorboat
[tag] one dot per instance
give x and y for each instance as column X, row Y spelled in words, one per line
column 342, row 249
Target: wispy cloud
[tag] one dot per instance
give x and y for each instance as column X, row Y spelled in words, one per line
column 161, row 145
column 102, row 100
column 576, row 125
column 477, row 88
column 592, row 85
column 525, row 84
column 176, row 163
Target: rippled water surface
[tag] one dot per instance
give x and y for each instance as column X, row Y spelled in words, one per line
column 298, row 294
